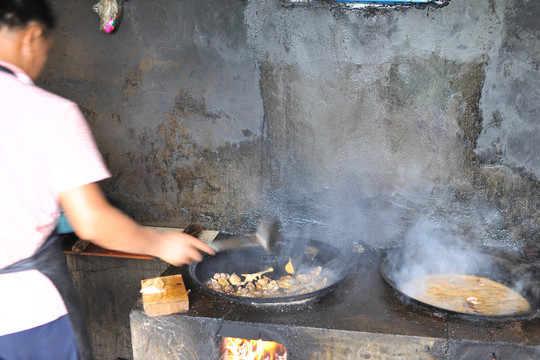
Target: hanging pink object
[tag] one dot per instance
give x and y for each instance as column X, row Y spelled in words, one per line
column 109, row 12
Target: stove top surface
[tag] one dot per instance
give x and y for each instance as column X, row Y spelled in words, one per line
column 363, row 302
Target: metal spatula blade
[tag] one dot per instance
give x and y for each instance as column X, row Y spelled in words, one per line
column 267, row 236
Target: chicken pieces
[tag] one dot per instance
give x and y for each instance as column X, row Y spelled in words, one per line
column 258, row 285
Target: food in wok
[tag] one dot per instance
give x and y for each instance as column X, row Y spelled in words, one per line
column 466, row 294
column 259, row 285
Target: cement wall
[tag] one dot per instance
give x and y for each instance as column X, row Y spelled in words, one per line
column 362, row 121
column 221, row 112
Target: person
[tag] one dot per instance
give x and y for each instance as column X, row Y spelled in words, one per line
column 50, row 162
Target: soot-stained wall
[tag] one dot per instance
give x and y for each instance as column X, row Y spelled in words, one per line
column 358, row 122
column 220, row 112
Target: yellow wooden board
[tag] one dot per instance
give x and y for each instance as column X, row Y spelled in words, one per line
column 173, row 300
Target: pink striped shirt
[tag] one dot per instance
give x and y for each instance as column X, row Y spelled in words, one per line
column 46, row 147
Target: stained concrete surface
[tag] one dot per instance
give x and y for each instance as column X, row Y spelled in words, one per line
column 220, row 112
column 331, row 119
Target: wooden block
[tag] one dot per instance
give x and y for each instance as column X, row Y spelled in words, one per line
column 153, row 286
column 173, row 300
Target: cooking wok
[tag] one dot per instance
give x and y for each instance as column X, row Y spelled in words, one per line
column 305, row 255
column 504, row 268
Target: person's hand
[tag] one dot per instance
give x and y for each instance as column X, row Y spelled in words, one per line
column 178, row 248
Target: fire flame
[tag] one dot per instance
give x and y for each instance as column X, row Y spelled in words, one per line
column 243, row 349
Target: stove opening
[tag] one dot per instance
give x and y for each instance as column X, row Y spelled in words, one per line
column 243, row 349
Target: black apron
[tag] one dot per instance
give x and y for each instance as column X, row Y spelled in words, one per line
column 50, row 260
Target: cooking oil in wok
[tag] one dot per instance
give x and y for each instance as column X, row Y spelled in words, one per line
column 466, row 294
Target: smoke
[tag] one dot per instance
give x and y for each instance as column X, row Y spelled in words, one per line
column 350, row 211
column 526, row 281
column 433, row 247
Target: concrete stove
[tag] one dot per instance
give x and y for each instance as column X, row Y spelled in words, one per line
column 363, row 318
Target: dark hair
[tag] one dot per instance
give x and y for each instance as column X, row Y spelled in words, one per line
column 19, row 13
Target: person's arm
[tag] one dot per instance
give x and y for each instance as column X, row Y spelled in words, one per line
column 94, row 219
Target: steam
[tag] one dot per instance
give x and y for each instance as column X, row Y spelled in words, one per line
column 438, row 228
column 436, row 247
